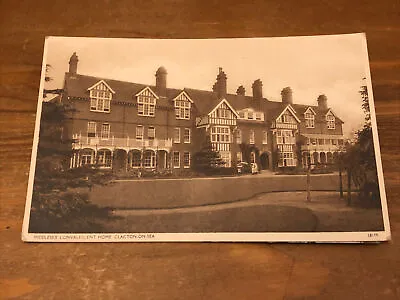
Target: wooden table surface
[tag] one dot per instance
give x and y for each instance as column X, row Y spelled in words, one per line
column 183, row 270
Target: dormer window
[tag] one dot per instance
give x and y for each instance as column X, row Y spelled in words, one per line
column 146, row 103
column 182, row 109
column 100, row 97
column 310, row 120
column 330, row 121
column 183, row 104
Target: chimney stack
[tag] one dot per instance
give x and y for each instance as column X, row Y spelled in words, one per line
column 287, row 95
column 257, row 89
column 322, row 102
column 161, row 82
column 73, row 64
column 220, row 85
column 240, row 91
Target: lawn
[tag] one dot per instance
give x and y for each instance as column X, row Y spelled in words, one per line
column 270, row 212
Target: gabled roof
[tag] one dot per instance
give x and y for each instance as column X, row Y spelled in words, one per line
column 147, row 88
column 310, row 109
column 100, row 82
column 185, row 94
column 203, row 101
column 291, row 110
column 227, row 103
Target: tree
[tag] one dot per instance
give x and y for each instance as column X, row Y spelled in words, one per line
column 207, row 160
column 359, row 158
column 60, row 199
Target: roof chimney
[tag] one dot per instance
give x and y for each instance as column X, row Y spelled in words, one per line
column 161, row 82
column 73, row 64
column 322, row 102
column 240, row 91
column 220, row 85
column 287, row 95
column 257, row 89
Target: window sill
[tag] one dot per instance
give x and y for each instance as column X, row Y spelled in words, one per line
column 100, row 111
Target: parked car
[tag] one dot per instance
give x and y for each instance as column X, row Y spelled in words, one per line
column 243, row 168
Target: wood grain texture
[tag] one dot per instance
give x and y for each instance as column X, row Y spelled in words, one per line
column 183, row 270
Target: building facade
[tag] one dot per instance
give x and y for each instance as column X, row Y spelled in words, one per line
column 122, row 125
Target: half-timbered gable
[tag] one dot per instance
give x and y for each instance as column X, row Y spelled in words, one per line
column 182, row 105
column 100, row 97
column 146, row 102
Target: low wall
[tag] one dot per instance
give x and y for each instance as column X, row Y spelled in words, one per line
column 172, row 193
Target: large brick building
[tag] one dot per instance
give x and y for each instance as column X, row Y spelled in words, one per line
column 124, row 125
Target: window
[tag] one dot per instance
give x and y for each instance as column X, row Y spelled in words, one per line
column 104, row 158
column 226, row 157
column 310, row 120
column 105, row 131
column 149, row 159
column 330, row 120
column 186, row 159
column 285, row 137
column 176, row 159
column 135, row 159
column 146, row 104
column 239, row 156
column 182, row 109
column 91, row 129
column 287, row 118
column 287, row 160
column 223, row 111
column 220, row 134
column 334, row 141
column 252, row 157
column 177, row 135
column 259, row 116
column 139, row 132
column 241, row 114
column 340, row 142
column 252, row 137
column 87, row 157
column 100, row 98
column 265, row 137
column 238, row 136
column 151, row 133
column 186, row 136
column 250, row 115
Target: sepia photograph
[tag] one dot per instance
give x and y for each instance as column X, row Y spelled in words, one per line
column 245, row 139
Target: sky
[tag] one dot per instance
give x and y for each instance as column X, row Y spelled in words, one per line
column 334, row 65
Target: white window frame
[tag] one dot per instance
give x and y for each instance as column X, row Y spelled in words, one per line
column 186, row 166
column 151, row 132
column 104, row 162
column 182, row 109
column 100, row 99
column 139, row 132
column 135, row 163
column 265, row 137
column 187, row 138
column 105, row 134
column 146, row 104
column 220, row 134
column 330, row 121
column 179, row 159
column 91, row 129
column 177, row 135
column 310, row 119
column 149, row 162
column 226, row 157
column 252, row 137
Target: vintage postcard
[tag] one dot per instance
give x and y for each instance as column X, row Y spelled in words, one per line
column 251, row 139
